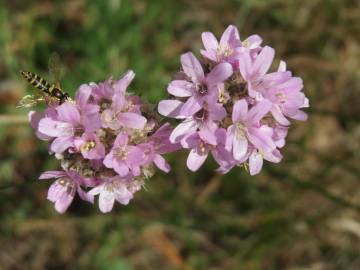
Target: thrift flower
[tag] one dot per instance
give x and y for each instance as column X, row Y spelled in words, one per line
column 90, row 146
column 124, row 158
column 115, row 189
column 246, row 127
column 63, row 190
column 105, row 139
column 199, row 89
column 230, row 105
column 200, row 150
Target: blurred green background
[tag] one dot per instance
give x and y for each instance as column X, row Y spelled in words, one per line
column 302, row 214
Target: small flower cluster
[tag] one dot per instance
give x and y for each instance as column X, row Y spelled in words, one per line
column 230, row 106
column 108, row 143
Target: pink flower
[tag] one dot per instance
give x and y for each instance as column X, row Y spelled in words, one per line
column 90, row 146
column 161, row 140
column 124, row 158
column 34, row 119
column 105, row 91
column 284, row 91
column 115, row 189
column 63, row 190
column 157, row 145
column 204, row 121
column 227, row 49
column 246, row 128
column 230, row 47
column 66, row 125
column 199, row 89
column 228, row 104
column 254, row 71
column 252, row 104
column 257, row 156
column 83, row 102
column 279, row 135
column 102, row 140
column 118, row 114
column 200, row 150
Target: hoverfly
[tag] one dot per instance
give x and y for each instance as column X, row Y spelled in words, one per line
column 50, row 93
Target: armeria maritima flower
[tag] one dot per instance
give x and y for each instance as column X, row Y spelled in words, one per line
column 231, row 90
column 103, row 141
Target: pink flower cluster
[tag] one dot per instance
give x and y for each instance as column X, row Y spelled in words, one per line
column 230, row 105
column 108, row 143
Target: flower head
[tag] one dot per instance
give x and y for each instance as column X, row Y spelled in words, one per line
column 106, row 135
column 236, row 110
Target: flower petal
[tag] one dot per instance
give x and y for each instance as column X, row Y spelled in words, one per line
column 191, row 106
column 282, row 66
column 109, row 160
column 54, row 128
column 240, row 147
column 106, row 201
column 180, row 88
column 219, row 74
column 300, row 115
column 68, row 112
column 194, row 160
column 121, row 139
column 257, row 112
column 52, row 174
column 207, row 133
column 190, row 140
column 209, row 40
column 83, row 95
column 230, row 35
column 192, row 67
column 85, row 196
column 261, row 139
column 170, row 108
column 96, row 190
column 123, row 195
column 186, row 127
column 240, row 111
column 245, row 66
column 229, row 138
column 34, row 118
column 279, row 116
column 209, row 54
column 255, row 163
column 161, row 163
column 63, row 203
column 120, row 167
column 122, row 84
column 132, row 120
column 60, row 144
column 253, row 41
column 263, row 61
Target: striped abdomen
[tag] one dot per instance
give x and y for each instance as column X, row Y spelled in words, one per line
column 42, row 85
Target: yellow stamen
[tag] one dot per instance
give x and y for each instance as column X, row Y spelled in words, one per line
column 224, row 50
column 122, row 153
column 202, row 147
column 86, row 147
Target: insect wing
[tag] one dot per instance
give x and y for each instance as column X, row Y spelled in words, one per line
column 56, row 69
